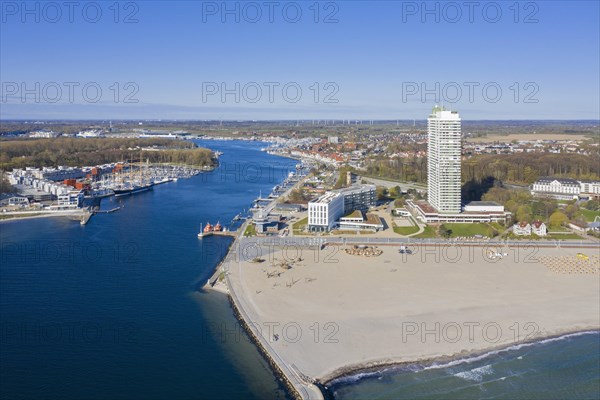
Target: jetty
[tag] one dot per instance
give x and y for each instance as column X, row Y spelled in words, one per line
column 299, row 385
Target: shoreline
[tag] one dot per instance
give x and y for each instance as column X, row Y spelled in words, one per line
column 357, row 372
column 267, row 355
column 316, row 361
column 286, row 379
column 78, row 215
column 294, row 384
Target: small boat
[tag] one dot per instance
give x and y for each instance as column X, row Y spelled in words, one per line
column 207, row 231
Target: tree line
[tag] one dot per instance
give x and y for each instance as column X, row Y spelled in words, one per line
column 521, row 168
column 21, row 153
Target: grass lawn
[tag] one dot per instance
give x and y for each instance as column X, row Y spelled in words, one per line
column 24, row 215
column 498, row 226
column 558, row 229
column 564, row 236
column 589, row 215
column 406, row 230
column 429, row 232
column 299, row 226
column 470, row 229
column 559, row 236
column 250, row 230
column 351, row 232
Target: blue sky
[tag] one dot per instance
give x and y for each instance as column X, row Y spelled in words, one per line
column 369, row 60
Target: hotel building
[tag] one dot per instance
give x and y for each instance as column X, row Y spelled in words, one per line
column 444, row 204
column 324, row 212
column 444, row 146
column 565, row 188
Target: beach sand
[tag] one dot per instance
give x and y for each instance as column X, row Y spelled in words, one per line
column 333, row 313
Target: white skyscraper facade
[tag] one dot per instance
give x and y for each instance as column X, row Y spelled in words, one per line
column 444, row 146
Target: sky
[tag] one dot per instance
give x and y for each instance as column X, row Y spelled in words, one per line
column 299, row 60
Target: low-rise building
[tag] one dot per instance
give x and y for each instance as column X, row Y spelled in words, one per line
column 539, row 228
column 357, row 220
column 483, row 206
column 522, row 229
column 565, row 188
column 11, row 199
column 474, row 213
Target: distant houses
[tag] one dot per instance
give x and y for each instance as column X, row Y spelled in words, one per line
column 526, row 229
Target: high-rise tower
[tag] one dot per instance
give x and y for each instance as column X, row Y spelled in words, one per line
column 443, row 160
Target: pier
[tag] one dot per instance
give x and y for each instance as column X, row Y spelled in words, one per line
column 219, row 233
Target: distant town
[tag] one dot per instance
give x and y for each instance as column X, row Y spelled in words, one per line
column 512, row 179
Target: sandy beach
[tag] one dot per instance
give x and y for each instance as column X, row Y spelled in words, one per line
column 333, row 312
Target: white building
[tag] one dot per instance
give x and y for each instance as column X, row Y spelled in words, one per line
column 444, row 203
column 590, row 188
column 43, row 134
column 560, row 188
column 13, row 200
column 324, row 212
column 444, row 147
column 522, row 229
column 424, row 212
column 358, row 221
column 73, row 198
column 539, row 228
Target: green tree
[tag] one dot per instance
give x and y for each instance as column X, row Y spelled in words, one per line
column 380, row 192
column 593, row 205
column 558, row 218
column 5, row 186
column 395, row 192
column 444, row 231
column 572, row 211
column 524, row 213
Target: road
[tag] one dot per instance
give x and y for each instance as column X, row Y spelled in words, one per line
column 390, row 184
column 317, row 240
